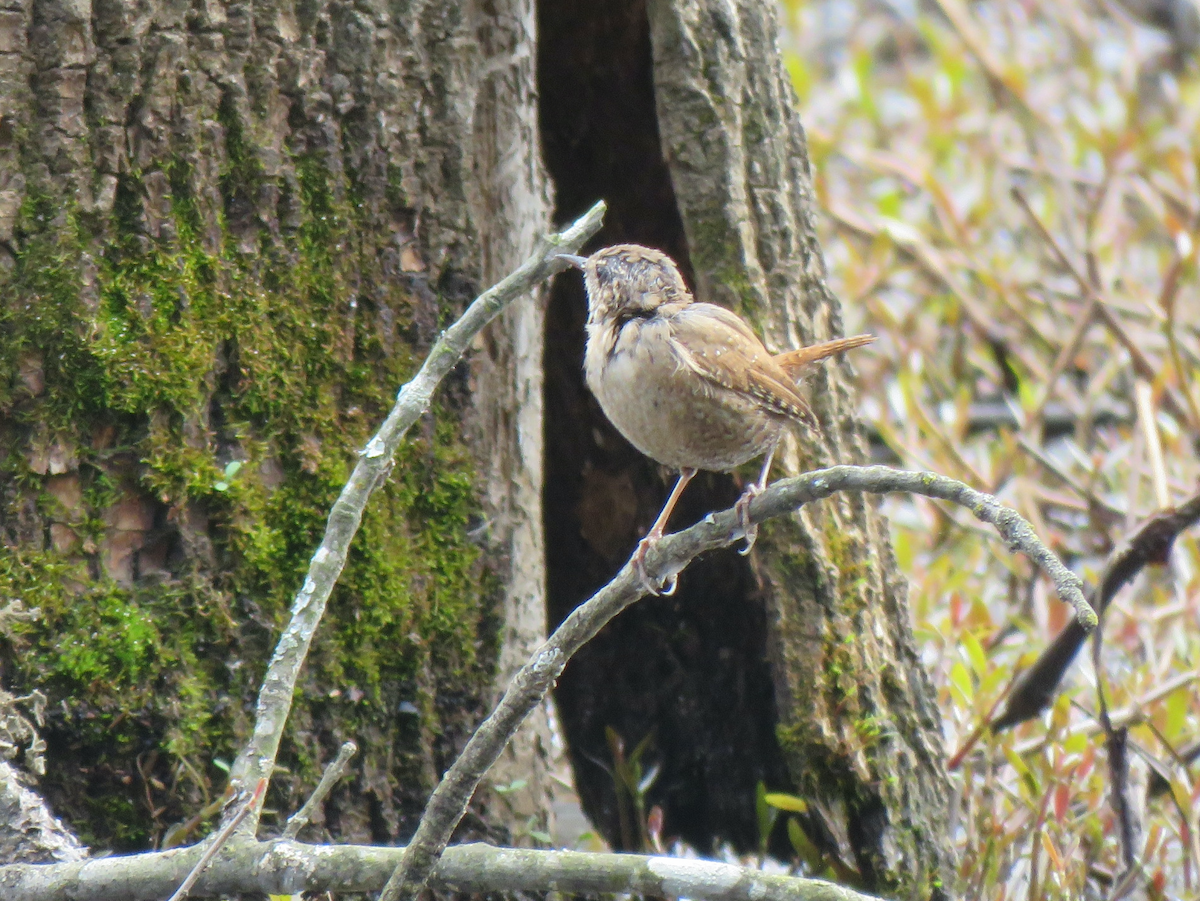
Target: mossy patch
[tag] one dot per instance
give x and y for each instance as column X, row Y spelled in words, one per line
column 214, row 401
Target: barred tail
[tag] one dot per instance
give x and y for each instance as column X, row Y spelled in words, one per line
column 795, row 360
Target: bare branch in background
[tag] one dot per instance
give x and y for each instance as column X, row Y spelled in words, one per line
column 1151, row 543
column 329, row 779
column 1099, row 307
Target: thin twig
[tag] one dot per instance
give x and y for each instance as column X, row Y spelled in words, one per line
column 1065, row 355
column 992, row 65
column 1132, row 714
column 1143, row 394
column 329, row 779
column 911, row 244
column 1166, row 300
column 1093, row 500
column 257, row 758
column 1116, row 743
column 666, row 559
column 219, row 840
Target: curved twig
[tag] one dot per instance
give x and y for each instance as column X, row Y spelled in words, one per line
column 1037, row 686
column 669, row 557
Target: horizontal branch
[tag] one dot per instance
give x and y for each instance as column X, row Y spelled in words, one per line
column 1016, row 531
column 248, row 867
column 257, row 759
column 666, row 559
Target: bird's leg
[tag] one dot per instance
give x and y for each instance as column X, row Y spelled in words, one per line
column 656, row 532
column 753, row 490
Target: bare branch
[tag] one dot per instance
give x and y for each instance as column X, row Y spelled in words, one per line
column 669, row 557
column 249, row 867
column 329, row 779
column 257, row 760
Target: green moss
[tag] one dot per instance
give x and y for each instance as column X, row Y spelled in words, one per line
column 713, row 249
column 124, row 827
column 185, row 358
column 53, row 329
column 870, row 729
column 242, row 171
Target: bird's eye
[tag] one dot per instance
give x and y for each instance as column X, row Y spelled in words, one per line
column 628, row 314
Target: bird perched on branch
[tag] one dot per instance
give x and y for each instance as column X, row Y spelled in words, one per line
column 688, row 384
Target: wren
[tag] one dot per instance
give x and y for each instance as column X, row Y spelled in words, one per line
column 688, row 384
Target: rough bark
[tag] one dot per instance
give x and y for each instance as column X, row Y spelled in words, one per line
column 858, row 726
column 511, row 202
column 29, row 833
column 228, row 231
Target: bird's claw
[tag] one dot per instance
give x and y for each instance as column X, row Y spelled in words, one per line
column 742, row 508
column 669, row 583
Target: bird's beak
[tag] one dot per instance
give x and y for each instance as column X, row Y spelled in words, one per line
column 576, row 261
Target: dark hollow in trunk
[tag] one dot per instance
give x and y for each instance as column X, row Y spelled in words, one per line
column 688, row 672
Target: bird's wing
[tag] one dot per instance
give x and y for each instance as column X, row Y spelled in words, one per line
column 718, row 346
column 794, row 361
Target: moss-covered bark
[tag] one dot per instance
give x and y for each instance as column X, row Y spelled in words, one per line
column 228, row 233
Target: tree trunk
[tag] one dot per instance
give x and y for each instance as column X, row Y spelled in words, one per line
column 229, row 232
column 690, row 133
column 859, row 726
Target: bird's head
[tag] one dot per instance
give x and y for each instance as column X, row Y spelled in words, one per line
column 628, row 280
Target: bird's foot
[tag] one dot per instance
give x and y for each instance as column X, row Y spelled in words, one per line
column 668, row 585
column 742, row 508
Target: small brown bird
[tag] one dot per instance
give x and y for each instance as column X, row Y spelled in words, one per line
column 688, row 384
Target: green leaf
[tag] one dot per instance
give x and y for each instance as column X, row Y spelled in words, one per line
column 1075, row 743
column 515, row 786
column 805, row 849
column 784, row 801
column 766, row 815
column 961, row 680
column 800, row 74
column 1178, row 705
column 975, row 653
column 1017, row 763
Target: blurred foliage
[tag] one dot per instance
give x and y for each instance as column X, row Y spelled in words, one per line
column 1012, row 199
